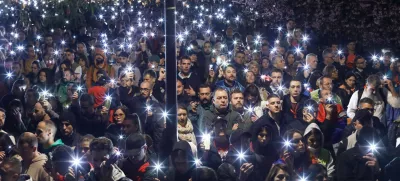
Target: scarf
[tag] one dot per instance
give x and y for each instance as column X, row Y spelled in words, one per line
column 186, row 132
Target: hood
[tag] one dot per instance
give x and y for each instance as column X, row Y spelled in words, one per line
column 312, row 126
column 57, row 143
column 184, row 146
column 256, row 127
column 41, row 157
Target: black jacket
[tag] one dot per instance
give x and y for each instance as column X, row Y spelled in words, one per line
column 94, row 124
column 287, row 107
column 311, row 80
column 72, row 140
column 351, row 166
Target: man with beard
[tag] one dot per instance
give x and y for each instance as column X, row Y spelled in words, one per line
column 137, row 164
column 39, row 113
column 123, row 61
column 239, row 65
column 309, row 72
column 294, row 102
column 229, row 83
column 69, row 136
column 275, row 116
column 46, row 133
column 276, row 86
column 88, row 116
column 237, row 104
column 204, row 60
column 62, row 88
column 220, row 109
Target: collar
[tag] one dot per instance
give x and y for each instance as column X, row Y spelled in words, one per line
column 360, row 70
column 183, row 76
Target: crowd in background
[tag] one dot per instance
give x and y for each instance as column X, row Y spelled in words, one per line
column 89, row 103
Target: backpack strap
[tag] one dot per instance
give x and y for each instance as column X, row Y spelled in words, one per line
column 360, row 92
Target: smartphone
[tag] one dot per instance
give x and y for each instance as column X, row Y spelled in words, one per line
column 207, row 141
column 112, row 160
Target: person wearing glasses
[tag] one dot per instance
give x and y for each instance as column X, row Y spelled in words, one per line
column 360, row 71
column 114, row 130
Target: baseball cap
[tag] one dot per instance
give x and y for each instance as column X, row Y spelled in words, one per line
column 134, row 143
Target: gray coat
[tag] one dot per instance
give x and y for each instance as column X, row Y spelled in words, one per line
column 207, row 121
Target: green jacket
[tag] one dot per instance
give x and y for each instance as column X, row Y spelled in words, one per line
column 51, row 148
column 315, row 97
column 62, row 92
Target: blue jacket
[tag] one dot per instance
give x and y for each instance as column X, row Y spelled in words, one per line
column 236, row 85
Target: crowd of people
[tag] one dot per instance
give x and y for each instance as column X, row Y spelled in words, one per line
column 90, row 105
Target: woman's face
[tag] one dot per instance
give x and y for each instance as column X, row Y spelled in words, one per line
column 351, row 81
column 298, row 143
column 255, row 69
column 42, row 77
column 119, row 116
column 290, row 59
column 250, row 78
column 335, row 74
column 281, row 176
column 263, row 137
column 82, row 63
column 265, row 63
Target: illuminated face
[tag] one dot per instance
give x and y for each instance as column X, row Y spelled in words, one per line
column 119, row 116
column 351, row 46
column 265, row 63
column 297, row 140
column 128, row 127
column 205, row 95
column 239, row 58
column 276, row 78
column 290, row 59
column 329, row 58
column 207, row 48
column 182, row 115
column 250, row 78
column 312, row 62
column 49, row 40
column 326, row 94
column 314, row 141
column 230, row 74
column 38, row 112
column 126, row 82
column 295, row 88
column 274, row 105
column 237, row 101
column 255, row 69
column 2, row 118
column 70, row 56
column 326, row 84
column 263, row 137
column 179, row 88
column 282, row 176
column 361, row 63
column 66, row 128
column 67, row 76
column 42, row 134
column 145, row 89
column 35, row 69
column 280, row 63
column 221, row 99
column 185, row 65
column 148, row 78
column 81, row 48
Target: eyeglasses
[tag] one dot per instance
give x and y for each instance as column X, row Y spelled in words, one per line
column 283, row 176
column 144, row 89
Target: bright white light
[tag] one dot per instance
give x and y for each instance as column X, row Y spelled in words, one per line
column 158, row 166
column 373, row 147
column 241, row 156
column 76, row 162
column 165, row 114
column 306, row 67
column 250, row 109
column 197, row 161
column 20, row 48
column 148, row 108
column 206, row 136
column 280, row 88
column 374, row 57
column 280, row 28
column 79, row 88
column 63, row 42
column 108, row 98
column 38, row 37
column 305, row 38
column 118, row 153
column 9, row 75
column 385, row 77
column 340, row 52
column 310, row 108
column 298, row 50
column 287, row 143
column 246, row 70
column 381, row 58
column 121, row 137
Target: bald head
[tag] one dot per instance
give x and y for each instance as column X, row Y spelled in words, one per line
column 28, row 138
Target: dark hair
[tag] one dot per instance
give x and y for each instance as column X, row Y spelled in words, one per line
column 252, row 90
column 183, row 107
column 273, row 96
column 124, row 109
column 328, row 70
column 204, row 174
column 87, row 98
column 367, row 100
column 185, row 58
column 69, row 51
column 134, row 118
column 87, row 137
column 84, row 58
column 62, row 156
column 315, row 170
column 151, row 73
column 36, row 63
column 275, row 70
column 49, row 76
column 357, row 58
column 364, row 117
column 202, row 86
column 275, row 169
column 102, row 144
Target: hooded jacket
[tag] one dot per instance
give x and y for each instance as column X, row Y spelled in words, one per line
column 91, row 75
column 51, row 148
column 321, row 156
column 36, row 169
column 173, row 175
